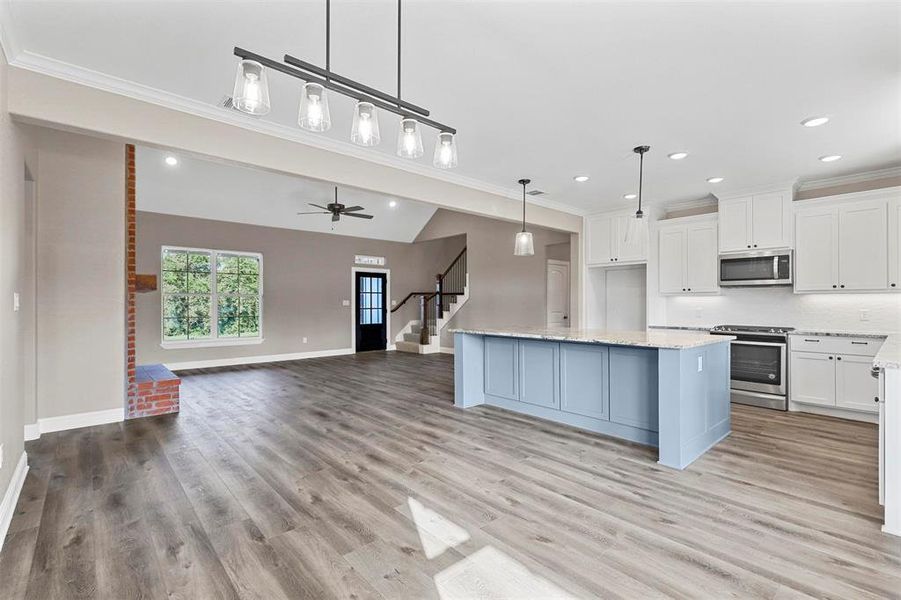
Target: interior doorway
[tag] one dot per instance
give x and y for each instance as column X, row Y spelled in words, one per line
column 557, row 293
column 370, row 310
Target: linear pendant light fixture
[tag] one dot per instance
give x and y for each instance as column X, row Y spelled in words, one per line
column 251, row 96
column 523, row 245
column 637, row 227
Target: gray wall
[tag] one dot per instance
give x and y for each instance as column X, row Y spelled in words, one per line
column 13, row 325
column 504, row 289
column 80, row 273
column 306, row 277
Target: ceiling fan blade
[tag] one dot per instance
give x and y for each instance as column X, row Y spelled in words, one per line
column 336, row 217
column 358, row 215
column 315, row 212
column 353, row 208
column 317, row 206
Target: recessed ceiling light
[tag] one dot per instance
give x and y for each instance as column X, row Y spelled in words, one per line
column 581, row 178
column 678, row 155
column 392, row 203
column 714, row 179
column 815, row 121
column 830, row 158
column 171, row 161
column 630, row 196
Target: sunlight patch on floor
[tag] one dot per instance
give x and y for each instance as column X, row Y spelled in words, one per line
column 436, row 533
column 489, row 574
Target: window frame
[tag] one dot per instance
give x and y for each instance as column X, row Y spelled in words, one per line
column 214, row 339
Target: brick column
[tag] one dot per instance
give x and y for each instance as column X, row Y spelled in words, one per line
column 131, row 391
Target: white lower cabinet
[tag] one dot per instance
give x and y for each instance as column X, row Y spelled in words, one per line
column 834, row 372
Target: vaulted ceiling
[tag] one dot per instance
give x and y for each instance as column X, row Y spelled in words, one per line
column 548, row 90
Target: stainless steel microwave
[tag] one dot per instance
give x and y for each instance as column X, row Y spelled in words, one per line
column 767, row 267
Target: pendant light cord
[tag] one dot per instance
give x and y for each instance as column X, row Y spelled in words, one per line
column 398, row 48
column 328, row 38
column 524, row 183
column 640, row 180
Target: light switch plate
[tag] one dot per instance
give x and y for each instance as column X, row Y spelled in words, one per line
column 304, row 340
column 15, row 301
column 700, row 364
column 864, row 314
column 345, row 303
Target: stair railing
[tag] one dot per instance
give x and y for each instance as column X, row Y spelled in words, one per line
column 451, row 283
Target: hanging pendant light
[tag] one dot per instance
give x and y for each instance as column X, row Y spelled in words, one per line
column 409, row 139
column 523, row 244
column 637, row 229
column 251, row 93
column 314, row 114
column 445, row 151
column 365, row 131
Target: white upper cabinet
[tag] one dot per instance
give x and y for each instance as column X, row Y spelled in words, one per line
column 605, row 238
column 757, row 222
column 687, row 258
column 847, row 243
column 894, row 244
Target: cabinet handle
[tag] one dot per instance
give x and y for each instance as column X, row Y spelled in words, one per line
column 816, row 341
column 860, row 343
column 842, row 285
column 893, row 285
column 749, row 245
column 755, row 245
column 830, row 358
column 834, row 286
column 838, row 358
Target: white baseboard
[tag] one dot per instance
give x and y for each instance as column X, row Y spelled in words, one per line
column 444, row 350
column 853, row 415
column 11, row 497
column 253, row 360
column 86, row 419
column 391, row 347
column 32, row 431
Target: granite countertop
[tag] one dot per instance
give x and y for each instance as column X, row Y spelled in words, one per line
column 651, row 338
column 889, row 355
column 856, row 334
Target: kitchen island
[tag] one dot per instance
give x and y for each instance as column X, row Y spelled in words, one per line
column 668, row 389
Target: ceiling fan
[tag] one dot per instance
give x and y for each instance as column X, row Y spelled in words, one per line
column 336, row 210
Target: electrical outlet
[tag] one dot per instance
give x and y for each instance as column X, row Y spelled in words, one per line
column 304, row 340
column 864, row 314
column 15, row 301
column 700, row 364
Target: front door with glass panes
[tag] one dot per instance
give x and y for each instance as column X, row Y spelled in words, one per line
column 371, row 313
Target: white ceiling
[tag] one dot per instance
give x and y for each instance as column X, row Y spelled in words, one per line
column 212, row 190
column 547, row 90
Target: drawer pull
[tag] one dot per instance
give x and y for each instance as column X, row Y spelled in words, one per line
column 860, row 343
column 806, row 340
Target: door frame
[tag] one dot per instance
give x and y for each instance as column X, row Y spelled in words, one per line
column 569, row 276
column 389, row 341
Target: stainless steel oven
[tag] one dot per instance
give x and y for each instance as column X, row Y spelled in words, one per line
column 770, row 267
column 759, row 364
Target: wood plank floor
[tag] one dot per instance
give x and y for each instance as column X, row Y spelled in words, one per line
column 355, row 477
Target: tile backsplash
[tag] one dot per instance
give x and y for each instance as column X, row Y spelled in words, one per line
column 781, row 307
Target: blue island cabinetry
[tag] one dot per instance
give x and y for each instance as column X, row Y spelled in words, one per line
column 618, row 390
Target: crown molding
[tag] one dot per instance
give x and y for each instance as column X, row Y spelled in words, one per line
column 874, row 175
column 73, row 73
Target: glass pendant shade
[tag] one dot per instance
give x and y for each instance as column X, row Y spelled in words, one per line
column 251, row 93
column 365, row 131
column 314, row 114
column 523, row 245
column 409, row 139
column 636, row 230
column 445, row 151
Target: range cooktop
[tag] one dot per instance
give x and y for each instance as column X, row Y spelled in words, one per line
column 752, row 329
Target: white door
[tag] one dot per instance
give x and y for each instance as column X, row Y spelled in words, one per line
column 671, row 266
column 633, row 251
column 894, row 245
column 862, row 246
column 599, row 236
column 770, row 221
column 812, row 378
column 855, row 387
column 735, row 224
column 816, row 250
column 701, row 260
column 557, row 293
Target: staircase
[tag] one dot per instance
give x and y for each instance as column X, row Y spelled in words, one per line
column 436, row 309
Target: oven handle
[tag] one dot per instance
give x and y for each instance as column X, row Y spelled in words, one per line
column 775, row 268
column 776, row 344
